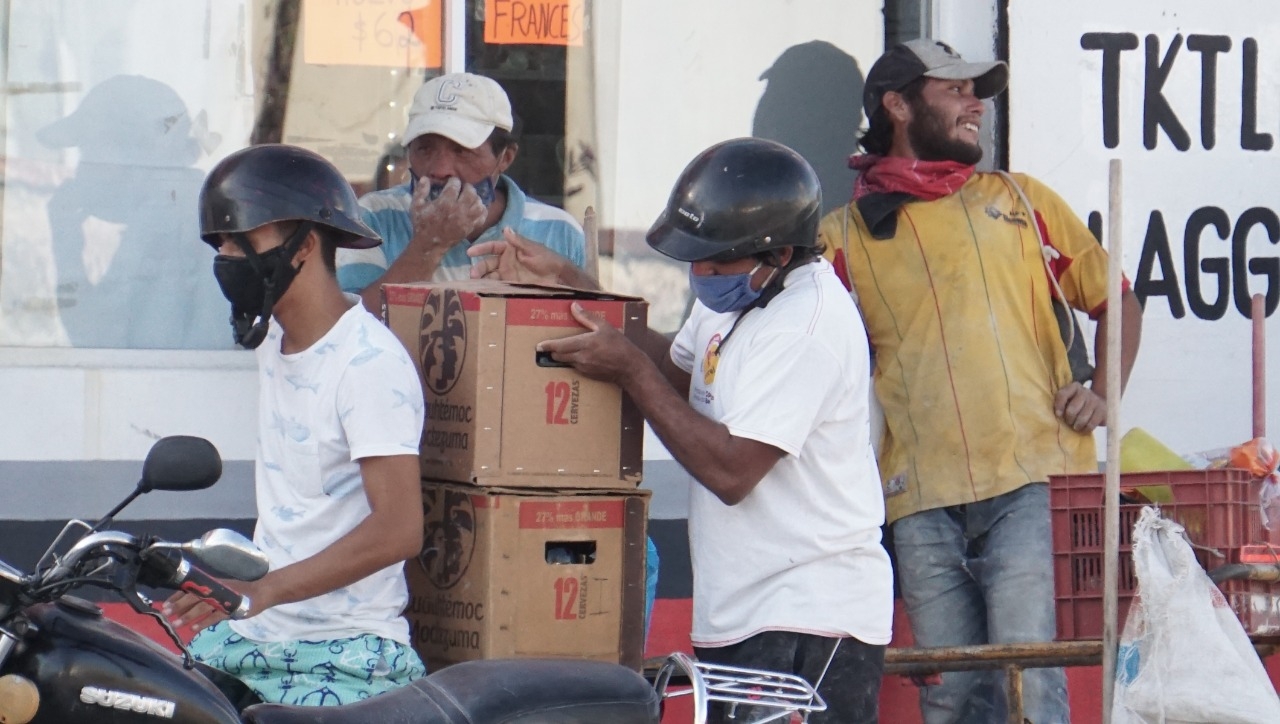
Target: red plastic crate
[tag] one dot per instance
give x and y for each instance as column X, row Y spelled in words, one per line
column 1257, row 604
column 1218, row 509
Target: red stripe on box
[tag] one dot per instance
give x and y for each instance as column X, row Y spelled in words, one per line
column 575, row 515
column 555, row 312
column 405, row 296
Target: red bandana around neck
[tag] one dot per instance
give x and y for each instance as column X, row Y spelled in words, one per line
column 926, row 180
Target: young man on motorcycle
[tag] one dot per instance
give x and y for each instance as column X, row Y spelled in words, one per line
column 340, row 415
column 763, row 398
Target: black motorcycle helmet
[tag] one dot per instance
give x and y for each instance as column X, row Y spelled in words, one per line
column 740, row 198
column 262, row 184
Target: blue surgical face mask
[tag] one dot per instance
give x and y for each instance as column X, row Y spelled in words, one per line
column 486, row 189
column 726, row 292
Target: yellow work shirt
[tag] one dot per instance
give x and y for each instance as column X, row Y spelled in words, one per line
column 968, row 354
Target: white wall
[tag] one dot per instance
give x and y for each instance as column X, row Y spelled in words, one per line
column 1191, row 385
column 675, row 77
column 71, row 405
column 687, row 75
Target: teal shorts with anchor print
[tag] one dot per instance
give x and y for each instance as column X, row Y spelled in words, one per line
column 309, row 673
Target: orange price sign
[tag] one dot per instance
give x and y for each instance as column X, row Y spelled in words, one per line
column 533, row 22
column 390, row 33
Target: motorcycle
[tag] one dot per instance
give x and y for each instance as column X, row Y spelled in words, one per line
column 63, row 662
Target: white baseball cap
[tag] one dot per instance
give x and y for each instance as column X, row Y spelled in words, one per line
column 463, row 107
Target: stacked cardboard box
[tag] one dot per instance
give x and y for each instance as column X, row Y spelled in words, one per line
column 535, row 531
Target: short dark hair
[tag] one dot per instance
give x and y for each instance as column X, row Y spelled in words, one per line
column 329, row 240
column 500, row 139
column 878, row 138
column 799, row 255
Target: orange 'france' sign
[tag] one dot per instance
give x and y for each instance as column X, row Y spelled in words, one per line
column 533, row 22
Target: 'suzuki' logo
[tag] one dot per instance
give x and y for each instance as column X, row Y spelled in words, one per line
column 124, row 701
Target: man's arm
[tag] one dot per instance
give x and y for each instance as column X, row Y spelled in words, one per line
column 391, row 533
column 518, row 259
column 728, row 466
column 438, row 225
column 1086, row 408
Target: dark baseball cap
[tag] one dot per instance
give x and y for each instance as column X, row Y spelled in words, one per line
column 907, row 61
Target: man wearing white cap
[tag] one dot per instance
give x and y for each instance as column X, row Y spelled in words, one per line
column 459, row 140
column 957, row 273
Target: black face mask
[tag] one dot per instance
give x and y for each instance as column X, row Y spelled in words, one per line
column 253, row 283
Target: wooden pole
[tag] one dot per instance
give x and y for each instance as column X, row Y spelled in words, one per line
column 591, row 233
column 1013, row 693
column 1111, row 511
column 269, row 126
column 1259, row 315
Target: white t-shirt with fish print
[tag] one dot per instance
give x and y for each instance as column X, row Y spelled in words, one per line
column 351, row 395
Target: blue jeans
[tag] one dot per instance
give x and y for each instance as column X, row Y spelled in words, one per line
column 977, row 574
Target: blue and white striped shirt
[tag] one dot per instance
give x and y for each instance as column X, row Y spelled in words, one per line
column 387, row 212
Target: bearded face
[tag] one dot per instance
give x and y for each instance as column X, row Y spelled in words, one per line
column 944, row 123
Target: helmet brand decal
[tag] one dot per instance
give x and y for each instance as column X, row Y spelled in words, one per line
column 697, row 220
column 124, row 701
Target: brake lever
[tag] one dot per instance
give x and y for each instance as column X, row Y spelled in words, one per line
column 139, row 603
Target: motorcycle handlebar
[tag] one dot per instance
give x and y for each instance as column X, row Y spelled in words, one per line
column 173, row 570
column 92, row 544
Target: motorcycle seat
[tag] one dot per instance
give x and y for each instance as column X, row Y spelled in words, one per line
column 510, row 691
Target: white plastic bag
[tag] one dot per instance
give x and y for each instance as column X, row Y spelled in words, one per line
column 1184, row 657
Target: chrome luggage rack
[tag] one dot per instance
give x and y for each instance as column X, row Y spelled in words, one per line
column 779, row 696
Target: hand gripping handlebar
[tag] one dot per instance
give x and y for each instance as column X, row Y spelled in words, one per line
column 168, row 568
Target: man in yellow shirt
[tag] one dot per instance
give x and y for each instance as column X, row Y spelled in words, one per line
column 980, row 403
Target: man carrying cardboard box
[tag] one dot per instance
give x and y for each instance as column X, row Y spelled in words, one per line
column 763, row 397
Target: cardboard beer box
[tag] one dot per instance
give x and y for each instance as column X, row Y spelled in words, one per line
column 520, row 573
column 498, row 413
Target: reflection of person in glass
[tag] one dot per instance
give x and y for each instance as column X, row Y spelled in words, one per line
column 122, row 281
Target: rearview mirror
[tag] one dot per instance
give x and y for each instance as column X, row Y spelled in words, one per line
column 180, row 462
column 227, row 553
